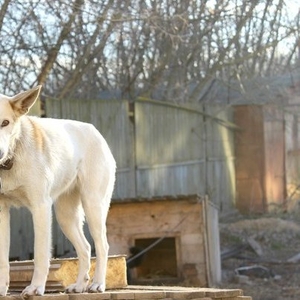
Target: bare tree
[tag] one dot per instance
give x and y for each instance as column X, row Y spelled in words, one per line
column 164, row 49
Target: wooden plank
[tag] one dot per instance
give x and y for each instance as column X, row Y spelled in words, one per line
column 176, row 292
column 10, row 297
column 89, row 296
column 274, row 140
column 222, row 293
column 63, row 272
column 220, row 164
column 213, row 243
column 249, row 151
column 126, row 295
column 50, row 297
column 185, row 294
column 233, row 298
column 147, row 292
column 45, row 297
column 51, row 287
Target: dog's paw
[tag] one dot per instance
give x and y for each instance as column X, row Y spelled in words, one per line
column 33, row 290
column 97, row 288
column 3, row 290
column 76, row 288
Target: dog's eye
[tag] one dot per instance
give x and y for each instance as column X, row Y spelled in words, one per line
column 4, row 123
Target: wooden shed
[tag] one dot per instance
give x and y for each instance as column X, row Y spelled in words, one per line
column 267, row 144
column 184, row 234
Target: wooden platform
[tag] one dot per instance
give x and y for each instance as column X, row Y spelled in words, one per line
column 63, row 272
column 147, row 293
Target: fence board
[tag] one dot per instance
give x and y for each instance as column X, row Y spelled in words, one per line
column 173, row 133
column 292, row 156
column 170, row 156
column 213, row 242
column 220, row 158
column 171, row 180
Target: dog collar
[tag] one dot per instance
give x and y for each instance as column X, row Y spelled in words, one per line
column 7, row 165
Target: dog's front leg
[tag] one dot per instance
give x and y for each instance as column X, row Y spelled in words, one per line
column 4, row 249
column 41, row 216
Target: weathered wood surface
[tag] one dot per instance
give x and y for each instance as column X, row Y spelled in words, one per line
column 63, row 272
column 148, row 292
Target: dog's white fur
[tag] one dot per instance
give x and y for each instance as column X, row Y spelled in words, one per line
column 64, row 162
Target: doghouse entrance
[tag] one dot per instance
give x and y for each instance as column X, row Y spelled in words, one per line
column 159, row 263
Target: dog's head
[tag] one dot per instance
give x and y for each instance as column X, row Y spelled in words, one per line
column 11, row 109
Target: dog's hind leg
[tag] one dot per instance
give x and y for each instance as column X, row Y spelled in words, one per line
column 70, row 217
column 96, row 179
column 96, row 196
column 96, row 218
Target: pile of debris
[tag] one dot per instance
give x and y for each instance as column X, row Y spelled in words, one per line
column 250, row 248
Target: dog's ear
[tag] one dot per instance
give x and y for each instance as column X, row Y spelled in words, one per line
column 22, row 102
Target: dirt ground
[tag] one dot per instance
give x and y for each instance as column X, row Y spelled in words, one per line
column 264, row 245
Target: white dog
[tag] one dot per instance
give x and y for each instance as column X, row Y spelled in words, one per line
column 46, row 161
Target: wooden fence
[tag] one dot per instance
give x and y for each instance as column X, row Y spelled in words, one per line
column 160, row 148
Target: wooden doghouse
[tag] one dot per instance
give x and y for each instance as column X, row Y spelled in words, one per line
column 182, row 233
